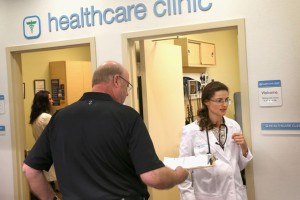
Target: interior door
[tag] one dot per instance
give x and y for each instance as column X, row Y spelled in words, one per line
column 163, row 101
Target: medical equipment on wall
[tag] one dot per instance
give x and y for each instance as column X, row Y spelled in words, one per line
column 191, row 89
column 192, row 93
column 204, row 78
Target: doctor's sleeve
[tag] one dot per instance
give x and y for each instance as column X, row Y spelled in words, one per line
column 243, row 161
column 186, row 149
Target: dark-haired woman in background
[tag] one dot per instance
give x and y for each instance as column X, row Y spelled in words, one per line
column 221, row 136
column 39, row 118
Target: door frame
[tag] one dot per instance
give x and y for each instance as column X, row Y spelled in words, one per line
column 16, row 105
column 129, row 59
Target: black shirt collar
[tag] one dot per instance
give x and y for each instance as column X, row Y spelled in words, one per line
column 96, row 96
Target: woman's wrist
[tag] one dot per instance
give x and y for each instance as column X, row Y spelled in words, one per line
column 245, row 153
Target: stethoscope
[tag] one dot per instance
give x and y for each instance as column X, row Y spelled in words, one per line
column 220, row 142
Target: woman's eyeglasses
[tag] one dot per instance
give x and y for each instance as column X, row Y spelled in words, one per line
column 221, row 101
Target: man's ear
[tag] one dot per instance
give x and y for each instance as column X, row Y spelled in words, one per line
column 115, row 80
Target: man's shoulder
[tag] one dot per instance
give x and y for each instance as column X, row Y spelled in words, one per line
column 126, row 109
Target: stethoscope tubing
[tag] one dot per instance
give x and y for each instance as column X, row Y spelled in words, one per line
column 221, row 145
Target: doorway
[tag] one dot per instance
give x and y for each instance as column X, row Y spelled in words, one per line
column 16, row 107
column 129, row 59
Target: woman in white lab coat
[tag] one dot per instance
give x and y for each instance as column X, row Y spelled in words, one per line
column 221, row 136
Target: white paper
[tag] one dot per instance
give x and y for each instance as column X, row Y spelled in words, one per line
column 190, row 162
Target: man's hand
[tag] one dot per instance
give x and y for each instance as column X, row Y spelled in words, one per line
column 181, row 174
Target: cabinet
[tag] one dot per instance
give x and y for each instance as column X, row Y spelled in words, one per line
column 196, row 53
column 69, row 80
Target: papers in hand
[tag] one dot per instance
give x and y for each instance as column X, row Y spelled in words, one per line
column 190, row 162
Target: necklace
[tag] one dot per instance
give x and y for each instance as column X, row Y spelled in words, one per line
column 216, row 132
column 219, row 134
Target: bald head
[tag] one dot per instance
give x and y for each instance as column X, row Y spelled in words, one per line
column 106, row 71
column 111, row 78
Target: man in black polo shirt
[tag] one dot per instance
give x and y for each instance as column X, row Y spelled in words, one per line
column 100, row 148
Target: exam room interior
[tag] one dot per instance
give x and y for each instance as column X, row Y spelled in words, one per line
column 35, row 66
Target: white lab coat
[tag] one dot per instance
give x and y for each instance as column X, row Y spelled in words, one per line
column 221, row 182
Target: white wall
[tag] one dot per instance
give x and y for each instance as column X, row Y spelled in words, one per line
column 272, row 37
column 6, row 180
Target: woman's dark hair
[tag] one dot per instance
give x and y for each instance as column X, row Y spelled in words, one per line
column 207, row 93
column 39, row 105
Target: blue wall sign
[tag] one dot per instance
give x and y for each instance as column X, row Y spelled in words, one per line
column 280, row 126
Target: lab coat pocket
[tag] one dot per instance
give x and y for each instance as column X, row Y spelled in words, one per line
column 200, row 148
column 205, row 182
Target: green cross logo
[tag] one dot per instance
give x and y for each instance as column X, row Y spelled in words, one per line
column 32, row 27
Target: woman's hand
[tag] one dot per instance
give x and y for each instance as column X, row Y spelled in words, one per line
column 240, row 140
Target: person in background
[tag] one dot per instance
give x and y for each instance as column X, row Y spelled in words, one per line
column 101, row 148
column 214, row 133
column 39, row 118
